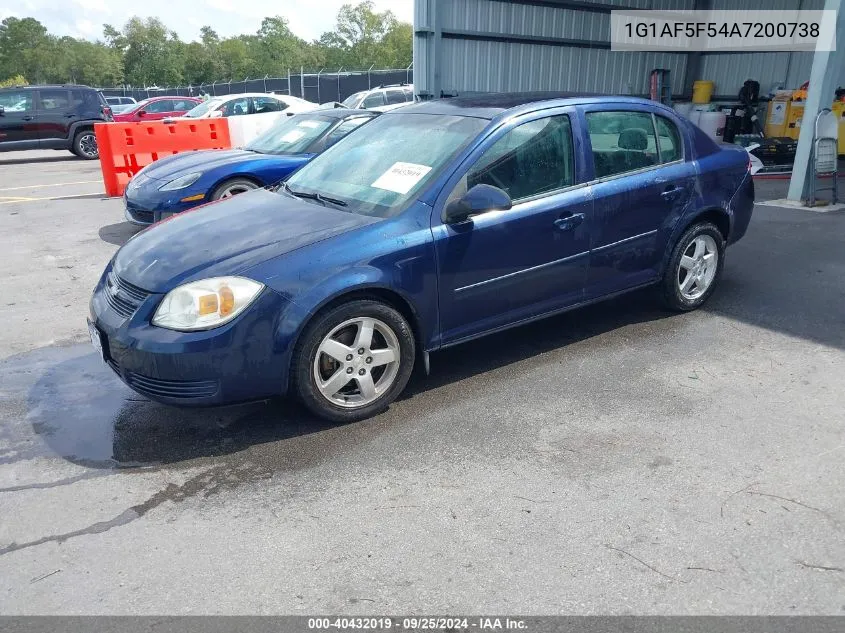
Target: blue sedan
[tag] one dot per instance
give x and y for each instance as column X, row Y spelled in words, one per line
column 435, row 224
column 182, row 181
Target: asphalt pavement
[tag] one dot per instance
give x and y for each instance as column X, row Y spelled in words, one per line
column 613, row 460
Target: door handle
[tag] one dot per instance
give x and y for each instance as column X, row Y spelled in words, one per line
column 569, row 222
column 28, row 118
column 671, row 191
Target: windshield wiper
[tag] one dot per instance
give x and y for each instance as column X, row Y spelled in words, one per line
column 313, row 196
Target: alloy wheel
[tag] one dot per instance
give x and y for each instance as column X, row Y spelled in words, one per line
column 236, row 188
column 698, row 267
column 88, row 145
column 357, row 362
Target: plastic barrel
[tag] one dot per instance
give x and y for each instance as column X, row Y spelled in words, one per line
column 683, row 109
column 702, row 91
column 713, row 124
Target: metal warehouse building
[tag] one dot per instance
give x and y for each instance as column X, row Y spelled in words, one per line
column 519, row 45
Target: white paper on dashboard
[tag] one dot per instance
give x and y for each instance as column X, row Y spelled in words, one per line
column 401, row 177
column 310, row 124
column 292, row 136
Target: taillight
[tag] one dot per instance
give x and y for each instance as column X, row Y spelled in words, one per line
column 108, row 113
column 748, row 164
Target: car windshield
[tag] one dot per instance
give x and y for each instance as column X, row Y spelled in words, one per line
column 291, row 135
column 352, row 101
column 202, row 108
column 377, row 170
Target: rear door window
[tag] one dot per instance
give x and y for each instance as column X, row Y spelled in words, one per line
column 395, row 96
column 268, row 104
column 374, row 100
column 236, row 107
column 160, row 106
column 671, row 148
column 182, row 104
column 622, row 142
column 54, row 99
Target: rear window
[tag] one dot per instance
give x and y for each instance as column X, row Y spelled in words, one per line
column 622, row 141
column 87, row 99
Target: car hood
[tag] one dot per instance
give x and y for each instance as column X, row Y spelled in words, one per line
column 206, row 160
column 226, row 238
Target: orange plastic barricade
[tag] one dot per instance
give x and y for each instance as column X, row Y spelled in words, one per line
column 127, row 147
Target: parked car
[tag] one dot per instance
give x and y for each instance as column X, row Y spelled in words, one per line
column 383, row 98
column 248, row 103
column 433, row 225
column 52, row 117
column 117, row 101
column 182, row 181
column 157, row 108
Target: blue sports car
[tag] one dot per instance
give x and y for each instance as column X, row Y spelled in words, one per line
column 435, row 224
column 182, row 181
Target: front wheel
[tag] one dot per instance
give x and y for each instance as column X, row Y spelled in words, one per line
column 694, row 267
column 232, row 188
column 353, row 360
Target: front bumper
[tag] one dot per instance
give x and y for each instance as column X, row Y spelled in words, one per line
column 237, row 362
column 146, row 205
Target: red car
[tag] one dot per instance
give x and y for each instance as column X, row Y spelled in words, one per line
column 156, row 108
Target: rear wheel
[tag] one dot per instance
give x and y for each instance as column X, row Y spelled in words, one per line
column 353, row 360
column 694, row 268
column 232, row 188
column 85, row 145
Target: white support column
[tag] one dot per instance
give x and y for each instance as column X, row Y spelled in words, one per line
column 823, row 83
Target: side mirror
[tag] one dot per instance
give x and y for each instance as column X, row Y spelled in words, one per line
column 479, row 199
column 2, row 110
column 141, row 113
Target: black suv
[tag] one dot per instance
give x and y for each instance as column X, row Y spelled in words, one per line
column 52, row 117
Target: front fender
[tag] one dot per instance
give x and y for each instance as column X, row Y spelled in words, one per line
column 354, row 281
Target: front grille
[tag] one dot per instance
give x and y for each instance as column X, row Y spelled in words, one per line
column 123, row 297
column 139, row 215
column 115, row 367
column 181, row 389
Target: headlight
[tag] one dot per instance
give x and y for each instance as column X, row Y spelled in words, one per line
column 206, row 304
column 181, row 182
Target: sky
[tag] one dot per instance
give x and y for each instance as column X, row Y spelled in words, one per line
column 85, row 18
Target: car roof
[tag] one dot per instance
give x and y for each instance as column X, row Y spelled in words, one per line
column 492, row 105
column 340, row 113
column 49, row 86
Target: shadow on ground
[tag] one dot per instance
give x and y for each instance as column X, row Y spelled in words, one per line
column 83, row 413
column 59, row 157
column 119, row 233
column 785, row 276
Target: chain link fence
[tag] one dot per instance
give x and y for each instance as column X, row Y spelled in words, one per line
column 319, row 87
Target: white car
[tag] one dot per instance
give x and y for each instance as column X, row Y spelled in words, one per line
column 381, row 99
column 248, row 103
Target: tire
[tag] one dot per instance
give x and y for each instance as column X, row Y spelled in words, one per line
column 85, row 145
column 382, row 383
column 233, row 187
column 694, row 268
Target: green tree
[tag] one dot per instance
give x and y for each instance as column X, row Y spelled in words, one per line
column 146, row 52
column 26, row 49
column 17, row 80
column 151, row 53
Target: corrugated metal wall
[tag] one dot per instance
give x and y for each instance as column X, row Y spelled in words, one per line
column 475, row 63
